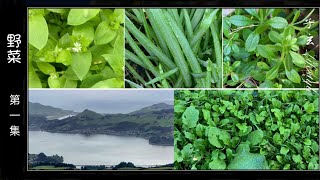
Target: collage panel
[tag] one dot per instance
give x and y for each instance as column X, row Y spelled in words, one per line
column 75, row 48
column 100, row 130
column 173, row 48
column 271, row 48
column 246, row 130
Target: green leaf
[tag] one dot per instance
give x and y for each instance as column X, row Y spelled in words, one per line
column 266, row 51
column 293, row 76
column 81, row 63
column 309, row 107
column 70, row 74
column 104, row 34
column 240, row 20
column 297, row 59
column 252, row 41
column 187, row 151
column 117, row 64
column 277, row 138
column 33, row 80
column 206, row 114
column 284, row 150
column 225, row 137
column 70, row 84
column 61, row 11
column 273, row 73
column 255, row 137
column 190, row 117
column 200, row 130
column 90, row 81
column 296, row 16
column 267, row 84
column 307, row 142
column 85, row 32
column 302, row 40
column 38, row 31
column 64, row 57
column 294, row 128
column 46, row 68
column 278, row 22
column 110, row 83
column 53, row 81
column 234, row 77
column 119, row 15
column 277, row 113
column 213, row 136
column 235, row 48
column 253, row 12
column 247, row 160
column 179, row 108
column 80, row 16
column 314, row 147
column 274, row 37
column 297, row 158
column 189, row 136
column 217, row 164
column 263, row 66
column 286, row 167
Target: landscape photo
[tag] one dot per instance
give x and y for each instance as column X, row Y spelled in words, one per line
column 100, row 130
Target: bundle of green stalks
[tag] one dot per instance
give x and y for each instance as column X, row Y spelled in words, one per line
column 173, row 48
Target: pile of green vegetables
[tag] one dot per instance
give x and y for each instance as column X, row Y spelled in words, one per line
column 76, row 48
column 271, row 48
column 173, row 48
column 246, row 130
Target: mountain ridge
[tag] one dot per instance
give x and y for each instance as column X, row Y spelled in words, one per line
column 48, row 111
column 154, row 123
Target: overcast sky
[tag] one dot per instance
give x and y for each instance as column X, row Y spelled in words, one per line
column 102, row 101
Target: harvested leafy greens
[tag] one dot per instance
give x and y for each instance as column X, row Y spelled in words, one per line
column 246, row 130
column 76, row 48
column 173, row 48
column 271, row 48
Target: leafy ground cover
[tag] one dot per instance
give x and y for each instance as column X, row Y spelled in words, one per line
column 246, row 130
column 173, row 48
column 76, row 48
column 271, row 48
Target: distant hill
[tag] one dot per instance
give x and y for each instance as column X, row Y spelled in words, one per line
column 154, row 123
column 47, row 111
column 155, row 107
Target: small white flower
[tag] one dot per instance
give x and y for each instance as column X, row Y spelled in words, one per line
column 309, row 22
column 77, row 47
column 194, row 159
column 310, row 40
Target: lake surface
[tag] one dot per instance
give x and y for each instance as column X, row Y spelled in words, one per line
column 99, row 149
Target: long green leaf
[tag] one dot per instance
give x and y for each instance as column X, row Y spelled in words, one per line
column 162, row 76
column 173, row 45
column 147, row 43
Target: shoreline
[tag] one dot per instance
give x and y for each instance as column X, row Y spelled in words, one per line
column 110, row 134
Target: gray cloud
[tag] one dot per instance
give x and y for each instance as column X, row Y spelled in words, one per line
column 102, row 101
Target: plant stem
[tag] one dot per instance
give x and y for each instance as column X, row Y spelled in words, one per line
column 303, row 20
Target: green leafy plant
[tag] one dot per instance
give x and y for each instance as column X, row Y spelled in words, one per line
column 246, row 130
column 173, row 48
column 271, row 48
column 76, row 48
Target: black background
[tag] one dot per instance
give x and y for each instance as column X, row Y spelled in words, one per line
column 13, row 154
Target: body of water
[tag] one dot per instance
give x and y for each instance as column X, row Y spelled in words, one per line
column 99, row 149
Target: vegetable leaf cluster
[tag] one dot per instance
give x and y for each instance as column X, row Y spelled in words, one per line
column 246, row 130
column 76, row 48
column 173, row 48
column 271, row 48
